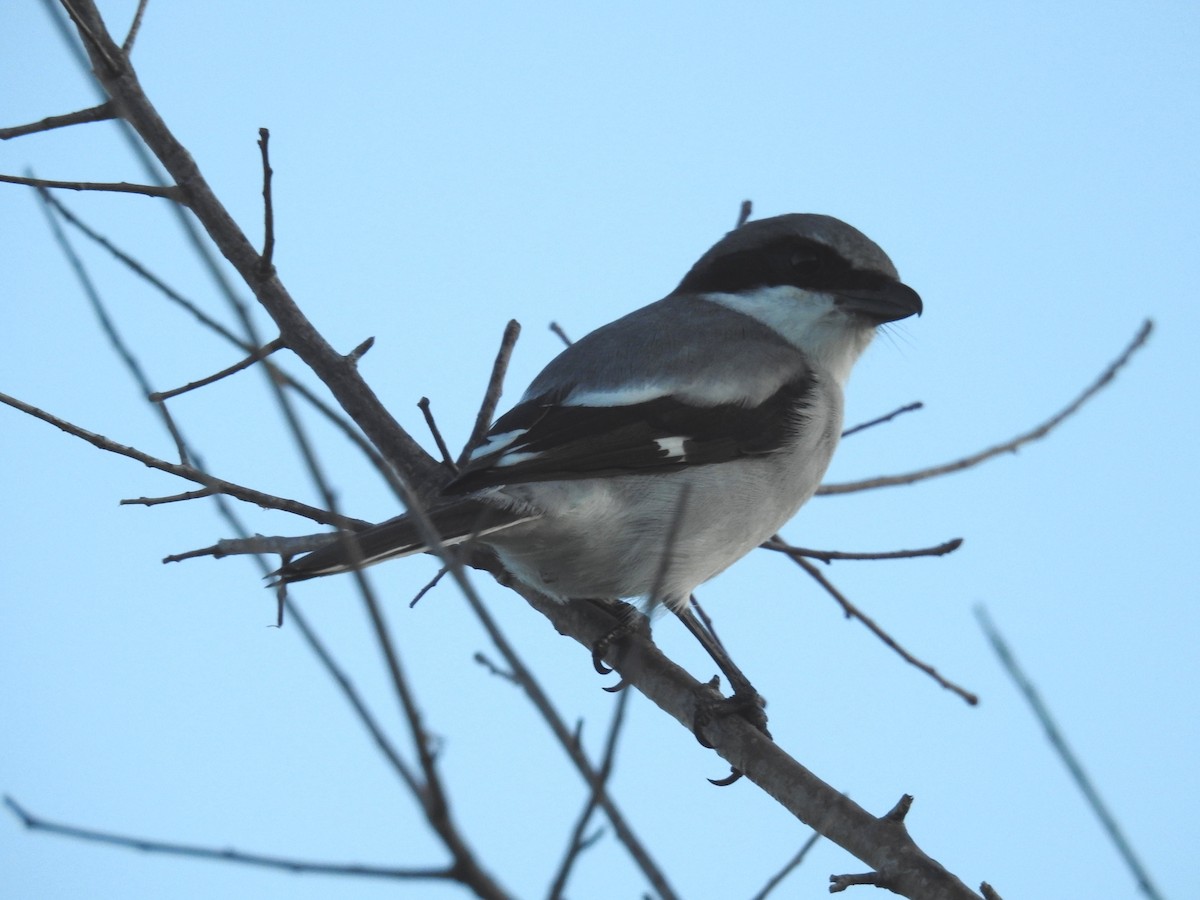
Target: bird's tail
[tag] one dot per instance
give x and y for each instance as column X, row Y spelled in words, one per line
column 455, row 522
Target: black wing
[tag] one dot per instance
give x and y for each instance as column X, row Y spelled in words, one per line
column 541, row 440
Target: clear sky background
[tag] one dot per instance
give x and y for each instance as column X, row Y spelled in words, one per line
column 442, row 168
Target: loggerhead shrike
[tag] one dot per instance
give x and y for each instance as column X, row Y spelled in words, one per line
column 662, row 447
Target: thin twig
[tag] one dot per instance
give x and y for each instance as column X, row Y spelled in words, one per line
column 147, row 845
column 361, row 350
column 423, row 405
column 117, row 187
column 1008, row 446
column 853, row 612
column 1070, row 760
column 265, row 264
column 911, row 407
column 260, row 354
column 579, row 842
column 537, row 696
column 491, row 397
column 562, row 335
column 432, row 583
column 100, row 113
column 482, row 659
column 744, row 213
column 790, row 866
column 135, row 26
column 107, row 324
column 276, row 373
column 432, row 795
column 190, row 473
column 173, row 498
column 779, row 545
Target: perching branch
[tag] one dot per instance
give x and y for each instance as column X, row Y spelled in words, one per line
column 879, row 841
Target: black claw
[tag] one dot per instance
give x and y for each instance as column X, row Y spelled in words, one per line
column 598, row 652
column 617, row 637
column 734, row 775
column 618, row 687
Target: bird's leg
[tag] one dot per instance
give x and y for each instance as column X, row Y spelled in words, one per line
column 745, row 701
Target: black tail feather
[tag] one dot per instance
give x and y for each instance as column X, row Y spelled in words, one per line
column 455, row 522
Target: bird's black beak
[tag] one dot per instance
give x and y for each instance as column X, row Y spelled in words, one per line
column 887, row 302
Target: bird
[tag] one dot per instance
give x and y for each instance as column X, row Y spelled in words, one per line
column 656, row 451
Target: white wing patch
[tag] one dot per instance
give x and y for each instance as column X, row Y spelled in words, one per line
column 511, row 459
column 673, row 447
column 495, row 443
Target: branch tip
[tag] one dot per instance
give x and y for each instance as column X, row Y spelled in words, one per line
column 900, row 810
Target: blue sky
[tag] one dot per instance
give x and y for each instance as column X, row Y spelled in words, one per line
column 1031, row 171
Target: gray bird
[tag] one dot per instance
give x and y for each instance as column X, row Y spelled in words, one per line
column 662, row 447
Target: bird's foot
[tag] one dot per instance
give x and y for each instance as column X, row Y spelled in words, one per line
column 745, row 702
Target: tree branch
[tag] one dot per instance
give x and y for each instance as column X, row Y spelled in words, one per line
column 298, row 866
column 100, row 113
column 1107, row 820
column 190, row 473
column 419, row 471
column 119, row 187
column 881, row 842
column 853, row 612
column 1010, row 446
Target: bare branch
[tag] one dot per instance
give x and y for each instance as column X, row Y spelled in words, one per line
column 419, row 473
column 249, row 495
column 779, row 545
column 277, row 374
column 100, row 113
column 261, row 353
column 853, row 612
column 174, row 498
column 147, row 845
column 558, row 727
column 1010, row 446
column 880, row 843
column 491, row 397
column 744, row 213
column 911, row 407
column 1070, row 760
column 579, row 840
column 106, row 50
column 432, row 795
column 788, row 867
column 433, row 582
column 265, row 264
column 127, row 44
column 562, row 335
column 423, row 405
column 119, row 187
